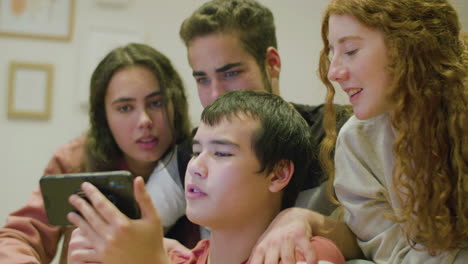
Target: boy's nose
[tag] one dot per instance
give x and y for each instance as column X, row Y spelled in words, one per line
column 197, row 168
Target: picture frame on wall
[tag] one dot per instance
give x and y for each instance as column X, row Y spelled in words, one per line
column 30, row 90
column 40, row 19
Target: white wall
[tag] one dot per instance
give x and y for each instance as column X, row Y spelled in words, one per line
column 26, row 146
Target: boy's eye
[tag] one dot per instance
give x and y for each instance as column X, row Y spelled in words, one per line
column 222, row 154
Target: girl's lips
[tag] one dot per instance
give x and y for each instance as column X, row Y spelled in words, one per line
column 148, row 142
column 353, row 93
column 192, row 192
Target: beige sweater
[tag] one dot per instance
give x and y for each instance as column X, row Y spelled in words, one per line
column 364, row 163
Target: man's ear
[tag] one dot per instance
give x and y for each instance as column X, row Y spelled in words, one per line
column 281, row 175
column 273, row 68
column 273, row 62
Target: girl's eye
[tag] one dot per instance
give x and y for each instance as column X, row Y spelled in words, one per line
column 156, row 103
column 195, row 153
column 352, row 52
column 124, row 108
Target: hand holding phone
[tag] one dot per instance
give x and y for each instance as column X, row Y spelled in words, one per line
column 117, row 186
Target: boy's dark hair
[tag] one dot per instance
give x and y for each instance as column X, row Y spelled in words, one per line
column 283, row 133
column 251, row 21
column 102, row 152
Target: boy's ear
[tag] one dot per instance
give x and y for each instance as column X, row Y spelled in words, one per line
column 281, row 175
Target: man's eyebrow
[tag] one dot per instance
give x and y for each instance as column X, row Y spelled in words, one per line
column 228, row 67
column 220, row 69
column 198, row 73
column 223, row 142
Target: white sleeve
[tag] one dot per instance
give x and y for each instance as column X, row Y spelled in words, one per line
column 167, row 192
column 364, row 164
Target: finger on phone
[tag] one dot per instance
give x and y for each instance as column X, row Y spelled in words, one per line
column 144, row 199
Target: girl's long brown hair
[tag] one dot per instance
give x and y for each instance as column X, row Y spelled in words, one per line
column 429, row 63
column 102, row 152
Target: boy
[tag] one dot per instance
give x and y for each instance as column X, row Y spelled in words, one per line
column 251, row 154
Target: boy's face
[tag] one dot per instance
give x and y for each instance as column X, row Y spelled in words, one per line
column 220, row 63
column 222, row 184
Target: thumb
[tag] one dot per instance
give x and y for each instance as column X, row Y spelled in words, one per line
column 144, row 199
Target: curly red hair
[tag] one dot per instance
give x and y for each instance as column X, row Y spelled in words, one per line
column 429, row 63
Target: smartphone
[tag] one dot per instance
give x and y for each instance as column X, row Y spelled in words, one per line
column 117, row 186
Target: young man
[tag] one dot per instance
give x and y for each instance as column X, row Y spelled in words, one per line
column 251, row 154
column 232, row 45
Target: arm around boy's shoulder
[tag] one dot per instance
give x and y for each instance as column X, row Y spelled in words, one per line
column 27, row 237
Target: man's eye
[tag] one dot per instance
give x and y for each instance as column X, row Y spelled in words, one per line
column 202, row 80
column 230, row 74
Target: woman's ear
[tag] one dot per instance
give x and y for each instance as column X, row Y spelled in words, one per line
column 281, row 175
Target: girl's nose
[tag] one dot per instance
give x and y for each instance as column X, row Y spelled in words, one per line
column 145, row 120
column 337, row 71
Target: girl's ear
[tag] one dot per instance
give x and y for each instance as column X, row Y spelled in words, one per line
column 281, row 175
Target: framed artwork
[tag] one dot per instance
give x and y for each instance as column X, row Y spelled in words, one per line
column 30, row 90
column 41, row 19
